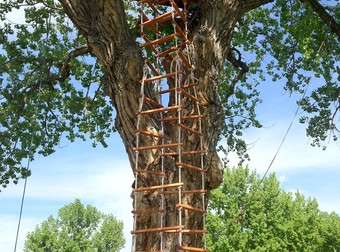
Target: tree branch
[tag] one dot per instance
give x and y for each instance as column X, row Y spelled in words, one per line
column 253, row 4
column 103, row 24
column 237, row 63
column 324, row 15
column 64, row 71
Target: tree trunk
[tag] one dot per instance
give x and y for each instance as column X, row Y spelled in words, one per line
column 104, row 25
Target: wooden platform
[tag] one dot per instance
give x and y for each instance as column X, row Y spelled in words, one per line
column 180, row 3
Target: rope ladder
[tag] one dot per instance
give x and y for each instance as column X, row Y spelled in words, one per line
column 168, row 72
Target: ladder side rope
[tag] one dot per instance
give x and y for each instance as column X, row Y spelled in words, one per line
column 178, row 96
column 163, row 142
column 141, row 102
column 201, row 160
column 178, row 102
column 193, row 79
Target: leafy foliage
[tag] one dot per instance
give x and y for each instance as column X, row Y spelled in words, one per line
column 287, row 41
column 50, row 86
column 77, row 228
column 247, row 215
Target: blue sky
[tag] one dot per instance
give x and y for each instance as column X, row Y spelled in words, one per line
column 102, row 177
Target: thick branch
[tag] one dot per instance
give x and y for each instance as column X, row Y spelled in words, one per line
column 237, row 63
column 64, row 72
column 253, row 4
column 325, row 16
column 104, row 25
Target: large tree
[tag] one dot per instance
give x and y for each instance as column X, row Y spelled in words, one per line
column 71, row 62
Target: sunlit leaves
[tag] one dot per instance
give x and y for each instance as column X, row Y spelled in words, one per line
column 330, row 231
column 46, row 94
column 286, row 41
column 247, row 213
column 77, row 228
column 240, row 112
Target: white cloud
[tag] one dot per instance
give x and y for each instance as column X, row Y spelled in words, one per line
column 296, row 152
column 298, row 165
column 103, row 178
column 17, row 16
column 9, row 229
column 100, row 177
column 282, row 178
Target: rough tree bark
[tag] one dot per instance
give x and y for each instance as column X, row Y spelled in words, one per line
column 104, row 25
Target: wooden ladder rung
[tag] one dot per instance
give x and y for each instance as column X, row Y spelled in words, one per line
column 153, row 102
column 186, row 192
column 151, row 66
column 159, row 19
column 190, row 208
column 187, row 94
column 152, row 26
column 147, row 40
column 148, row 133
column 190, row 129
column 161, row 40
column 159, row 110
column 151, row 147
column 166, row 52
column 163, row 76
column 192, row 167
column 185, row 60
column 147, row 211
column 183, row 153
column 150, row 251
column 185, row 248
column 160, row 229
column 168, row 90
column 183, row 118
column 150, row 3
column 168, row 119
column 160, row 2
column 153, row 188
column 168, row 2
column 149, row 172
column 179, row 12
column 182, row 34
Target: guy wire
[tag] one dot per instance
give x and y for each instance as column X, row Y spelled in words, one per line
column 241, row 211
column 277, row 151
column 48, row 22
